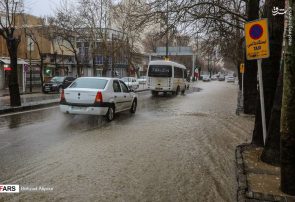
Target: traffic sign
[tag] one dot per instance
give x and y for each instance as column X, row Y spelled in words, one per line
column 242, row 68
column 257, row 41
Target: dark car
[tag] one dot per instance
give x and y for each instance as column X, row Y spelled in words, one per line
column 57, row 83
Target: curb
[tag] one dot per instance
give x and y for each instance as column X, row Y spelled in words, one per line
column 244, row 194
column 240, row 174
column 138, row 91
column 28, row 107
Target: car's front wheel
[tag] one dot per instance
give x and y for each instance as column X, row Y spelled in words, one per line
column 133, row 107
column 110, row 114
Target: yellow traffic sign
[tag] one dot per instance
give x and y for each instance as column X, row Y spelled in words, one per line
column 257, row 41
column 242, row 68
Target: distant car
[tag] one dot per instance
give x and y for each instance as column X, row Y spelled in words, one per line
column 57, row 83
column 221, row 78
column 206, row 78
column 230, row 79
column 142, row 80
column 214, row 77
column 201, row 76
column 97, row 96
column 131, row 82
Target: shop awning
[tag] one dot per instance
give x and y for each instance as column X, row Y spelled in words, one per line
column 7, row 61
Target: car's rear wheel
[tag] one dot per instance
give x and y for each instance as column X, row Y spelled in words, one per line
column 154, row 93
column 110, row 114
column 133, row 106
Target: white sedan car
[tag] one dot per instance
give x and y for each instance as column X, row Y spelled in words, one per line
column 230, row 79
column 97, row 96
column 131, row 82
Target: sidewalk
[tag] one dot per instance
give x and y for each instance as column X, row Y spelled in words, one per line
column 257, row 181
column 35, row 100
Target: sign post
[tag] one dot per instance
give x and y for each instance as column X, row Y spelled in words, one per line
column 242, row 71
column 257, row 48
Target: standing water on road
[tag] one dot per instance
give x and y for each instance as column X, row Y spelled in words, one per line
column 175, row 148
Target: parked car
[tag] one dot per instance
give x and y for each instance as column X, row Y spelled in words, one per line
column 142, row 80
column 214, row 77
column 206, row 78
column 97, row 96
column 230, row 78
column 221, row 78
column 57, row 83
column 131, row 82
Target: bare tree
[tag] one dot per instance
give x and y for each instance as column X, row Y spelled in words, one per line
column 10, row 10
column 67, row 26
column 35, row 32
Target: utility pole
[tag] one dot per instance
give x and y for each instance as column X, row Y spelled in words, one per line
column 112, row 56
column 209, row 66
column 167, row 31
column 31, row 88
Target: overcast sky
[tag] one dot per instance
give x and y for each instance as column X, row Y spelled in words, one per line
column 40, row 7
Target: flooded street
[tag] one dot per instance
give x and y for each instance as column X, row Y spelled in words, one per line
column 173, row 149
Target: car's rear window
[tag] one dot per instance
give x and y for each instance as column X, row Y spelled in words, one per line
column 89, row 83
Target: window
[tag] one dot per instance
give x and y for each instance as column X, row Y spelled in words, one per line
column 89, row 83
column 160, row 71
column 178, row 72
column 116, row 87
column 124, row 87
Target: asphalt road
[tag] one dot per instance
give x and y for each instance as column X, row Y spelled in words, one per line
column 173, row 149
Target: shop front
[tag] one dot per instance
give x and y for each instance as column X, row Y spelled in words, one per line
column 5, row 69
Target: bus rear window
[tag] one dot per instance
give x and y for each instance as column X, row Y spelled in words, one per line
column 160, row 71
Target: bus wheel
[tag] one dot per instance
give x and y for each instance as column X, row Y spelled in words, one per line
column 154, row 93
column 177, row 90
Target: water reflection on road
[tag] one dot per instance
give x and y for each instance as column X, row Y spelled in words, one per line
column 173, row 149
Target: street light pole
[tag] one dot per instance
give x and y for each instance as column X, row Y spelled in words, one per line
column 167, row 32
column 31, row 88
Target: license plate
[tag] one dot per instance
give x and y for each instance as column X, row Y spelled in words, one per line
column 76, row 108
column 158, row 88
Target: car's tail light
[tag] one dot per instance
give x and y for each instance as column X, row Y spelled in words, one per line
column 62, row 96
column 98, row 97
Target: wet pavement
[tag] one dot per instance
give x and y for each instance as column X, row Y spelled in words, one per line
column 173, row 149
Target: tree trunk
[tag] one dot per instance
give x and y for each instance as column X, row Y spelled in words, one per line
column 270, row 69
column 12, row 45
column 250, row 76
column 288, row 111
column 271, row 152
column 77, row 64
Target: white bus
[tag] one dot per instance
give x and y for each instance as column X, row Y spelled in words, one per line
column 166, row 76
